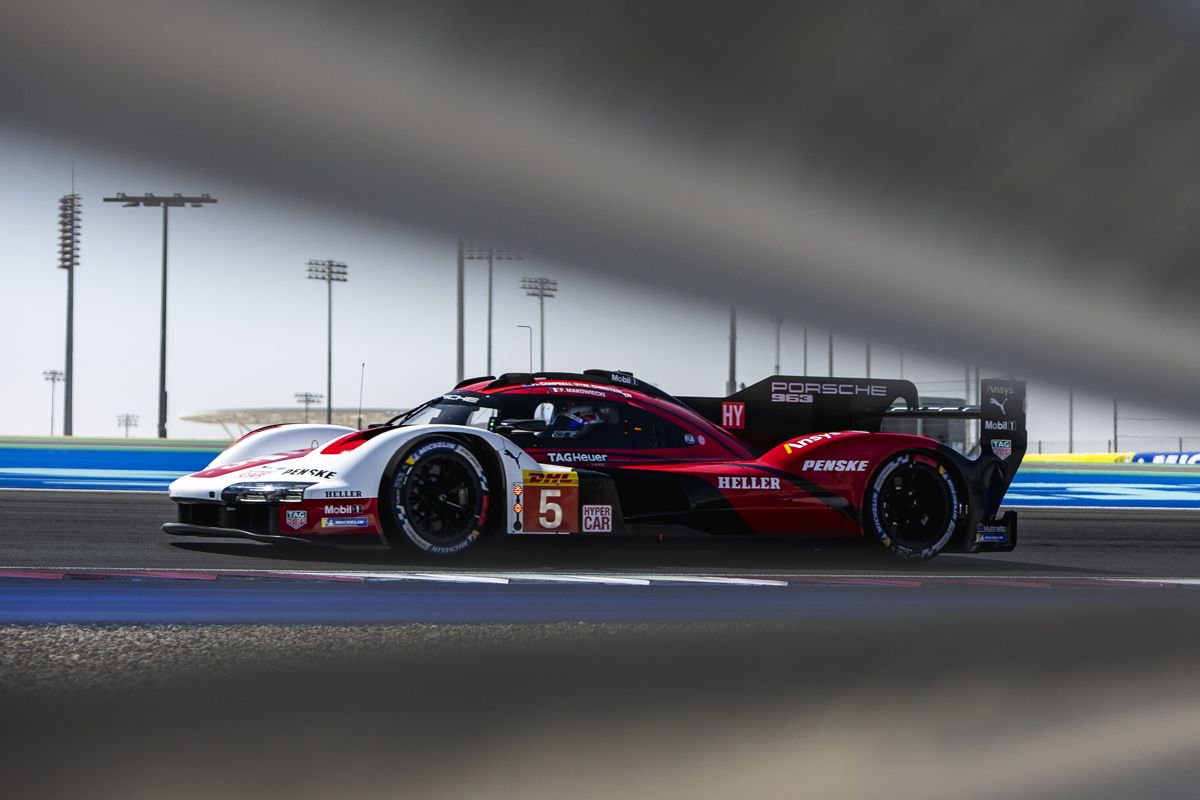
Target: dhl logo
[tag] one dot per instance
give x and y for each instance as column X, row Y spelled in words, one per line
column 532, row 478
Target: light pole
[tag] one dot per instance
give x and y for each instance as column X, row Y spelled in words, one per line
column 868, row 358
column 476, row 252
column 1071, row 420
column 166, row 202
column 831, row 353
column 308, row 399
column 127, row 421
column 331, row 272
column 806, row 349
column 731, row 383
column 778, row 333
column 69, row 211
column 55, row 377
column 530, row 329
column 541, row 288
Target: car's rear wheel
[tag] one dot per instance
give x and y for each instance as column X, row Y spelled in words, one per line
column 913, row 505
column 437, row 495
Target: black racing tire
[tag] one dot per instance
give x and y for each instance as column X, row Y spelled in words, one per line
column 435, row 495
column 913, row 505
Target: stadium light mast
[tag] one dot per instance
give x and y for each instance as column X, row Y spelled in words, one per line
column 54, row 377
column 331, row 272
column 69, row 211
column 166, row 202
column 308, row 399
column 127, row 421
column 541, row 288
column 468, row 251
column 731, row 384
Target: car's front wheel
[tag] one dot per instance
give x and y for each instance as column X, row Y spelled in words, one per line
column 913, row 505
column 437, row 495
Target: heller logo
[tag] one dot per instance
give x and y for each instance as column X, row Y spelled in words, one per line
column 1002, row 448
column 733, row 415
column 597, row 519
column 296, row 519
column 739, row 482
column 840, row 465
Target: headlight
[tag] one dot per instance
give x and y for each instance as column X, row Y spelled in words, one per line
column 265, row 492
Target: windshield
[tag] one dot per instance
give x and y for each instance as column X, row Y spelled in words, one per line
column 451, row 410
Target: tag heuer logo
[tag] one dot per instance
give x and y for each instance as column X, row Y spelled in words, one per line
column 1002, row 447
column 296, row 519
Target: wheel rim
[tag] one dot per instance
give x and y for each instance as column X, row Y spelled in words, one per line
column 915, row 506
column 440, row 495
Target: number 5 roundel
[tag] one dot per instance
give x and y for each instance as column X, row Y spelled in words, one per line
column 550, row 502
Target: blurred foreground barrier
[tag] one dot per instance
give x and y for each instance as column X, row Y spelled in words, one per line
column 100, row 464
column 1079, row 458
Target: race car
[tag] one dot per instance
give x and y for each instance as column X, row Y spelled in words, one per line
column 603, row 453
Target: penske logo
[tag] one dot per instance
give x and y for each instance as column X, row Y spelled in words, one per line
column 839, row 465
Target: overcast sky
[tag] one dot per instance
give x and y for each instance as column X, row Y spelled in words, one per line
column 246, row 328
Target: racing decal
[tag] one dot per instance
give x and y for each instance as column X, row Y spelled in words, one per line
column 802, row 391
column 1002, row 447
column 345, row 522
column 838, row 465
column 550, row 502
column 994, row 533
column 597, row 519
column 800, row 444
column 733, row 415
column 740, row 482
column 336, row 494
column 323, row 474
column 225, row 469
column 296, row 518
column 346, row 508
column 577, row 458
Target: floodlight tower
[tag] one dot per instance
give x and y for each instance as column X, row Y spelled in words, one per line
column 541, row 288
column 69, row 210
column 166, row 202
column 308, row 399
column 54, row 377
column 127, row 421
column 331, row 272
column 468, row 251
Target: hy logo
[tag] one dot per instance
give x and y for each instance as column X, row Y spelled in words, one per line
column 999, row 404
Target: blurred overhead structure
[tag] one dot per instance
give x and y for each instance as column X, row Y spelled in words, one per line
column 1013, row 183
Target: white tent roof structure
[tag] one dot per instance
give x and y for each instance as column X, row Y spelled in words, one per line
column 237, row 421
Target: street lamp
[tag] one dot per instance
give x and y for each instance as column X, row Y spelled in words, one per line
column 331, row 272
column 55, row 377
column 308, row 399
column 127, row 421
column 541, row 288
column 530, row 329
column 166, row 202
column 68, row 258
column 476, row 252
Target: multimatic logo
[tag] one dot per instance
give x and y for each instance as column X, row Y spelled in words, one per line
column 738, row 482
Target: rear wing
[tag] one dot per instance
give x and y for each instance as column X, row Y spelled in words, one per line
column 782, row 406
